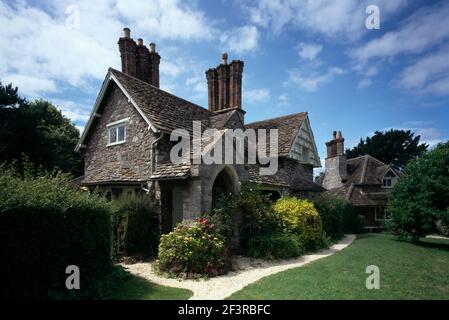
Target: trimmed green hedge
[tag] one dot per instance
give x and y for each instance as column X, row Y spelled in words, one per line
column 135, row 226
column 45, row 226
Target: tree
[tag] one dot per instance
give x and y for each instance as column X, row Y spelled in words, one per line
column 395, row 147
column 38, row 131
column 421, row 197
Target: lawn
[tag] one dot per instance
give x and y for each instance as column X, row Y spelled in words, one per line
column 407, row 271
column 140, row 289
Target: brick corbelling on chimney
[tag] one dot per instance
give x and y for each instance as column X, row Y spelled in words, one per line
column 139, row 61
column 127, row 48
column 224, row 84
column 212, row 89
column 155, row 60
column 143, row 62
column 236, row 72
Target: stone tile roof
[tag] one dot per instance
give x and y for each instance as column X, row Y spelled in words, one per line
column 364, row 172
column 166, row 111
column 300, row 183
column 288, row 127
column 168, row 171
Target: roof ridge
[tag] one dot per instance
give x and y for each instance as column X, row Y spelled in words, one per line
column 166, row 92
column 277, row 118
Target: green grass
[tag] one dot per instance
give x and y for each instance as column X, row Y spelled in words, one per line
column 407, row 271
column 140, row 289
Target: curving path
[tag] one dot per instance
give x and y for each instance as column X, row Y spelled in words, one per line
column 247, row 271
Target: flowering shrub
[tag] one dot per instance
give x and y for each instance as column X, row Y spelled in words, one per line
column 300, row 218
column 192, row 249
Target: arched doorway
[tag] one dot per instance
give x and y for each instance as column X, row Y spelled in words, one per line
column 224, row 183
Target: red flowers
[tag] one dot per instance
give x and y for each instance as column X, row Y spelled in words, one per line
column 205, row 223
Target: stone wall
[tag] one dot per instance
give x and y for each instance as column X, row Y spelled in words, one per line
column 129, row 161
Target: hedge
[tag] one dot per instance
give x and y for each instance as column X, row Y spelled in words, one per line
column 337, row 215
column 45, row 226
column 135, row 226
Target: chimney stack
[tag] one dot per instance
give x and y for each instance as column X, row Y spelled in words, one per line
column 335, row 171
column 224, row 84
column 139, row 61
column 127, row 48
column 155, row 60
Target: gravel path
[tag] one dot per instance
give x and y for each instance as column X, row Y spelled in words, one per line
column 246, row 271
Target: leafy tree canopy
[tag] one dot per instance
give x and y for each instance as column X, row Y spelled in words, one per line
column 395, row 147
column 421, row 197
column 38, row 131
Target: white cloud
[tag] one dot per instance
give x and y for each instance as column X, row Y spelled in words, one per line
column 332, row 18
column 429, row 74
column 257, row 95
column 429, row 135
column 365, row 83
column 283, row 100
column 312, row 81
column 309, row 51
column 167, row 19
column 426, row 27
column 30, row 85
column 76, row 112
column 37, row 44
column 242, row 39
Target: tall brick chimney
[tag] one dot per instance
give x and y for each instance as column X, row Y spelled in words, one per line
column 139, row 61
column 236, row 72
column 224, row 84
column 335, row 171
column 155, row 60
column 212, row 89
column 127, row 48
column 143, row 71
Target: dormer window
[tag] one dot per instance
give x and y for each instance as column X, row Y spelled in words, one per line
column 117, row 132
column 389, row 179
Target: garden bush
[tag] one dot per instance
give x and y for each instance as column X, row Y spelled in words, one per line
column 337, row 216
column 192, row 249
column 45, row 226
column 275, row 246
column 135, row 226
column 420, row 198
column 258, row 218
column 300, row 218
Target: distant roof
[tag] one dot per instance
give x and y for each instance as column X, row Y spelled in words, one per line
column 363, row 171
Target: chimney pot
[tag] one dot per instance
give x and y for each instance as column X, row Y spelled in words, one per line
column 340, row 136
column 126, row 33
column 334, row 134
column 152, row 47
column 140, row 42
column 224, row 58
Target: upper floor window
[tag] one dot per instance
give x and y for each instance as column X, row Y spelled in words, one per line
column 389, row 179
column 117, row 132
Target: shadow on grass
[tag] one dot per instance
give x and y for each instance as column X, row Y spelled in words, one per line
column 137, row 288
column 434, row 244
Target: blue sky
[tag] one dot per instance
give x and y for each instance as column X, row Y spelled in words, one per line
column 315, row 56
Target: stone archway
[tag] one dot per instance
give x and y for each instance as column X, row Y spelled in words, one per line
column 225, row 182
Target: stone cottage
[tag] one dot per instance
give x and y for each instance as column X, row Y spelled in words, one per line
column 126, row 141
column 364, row 181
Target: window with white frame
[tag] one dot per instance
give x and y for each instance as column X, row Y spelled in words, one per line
column 389, row 180
column 117, row 132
